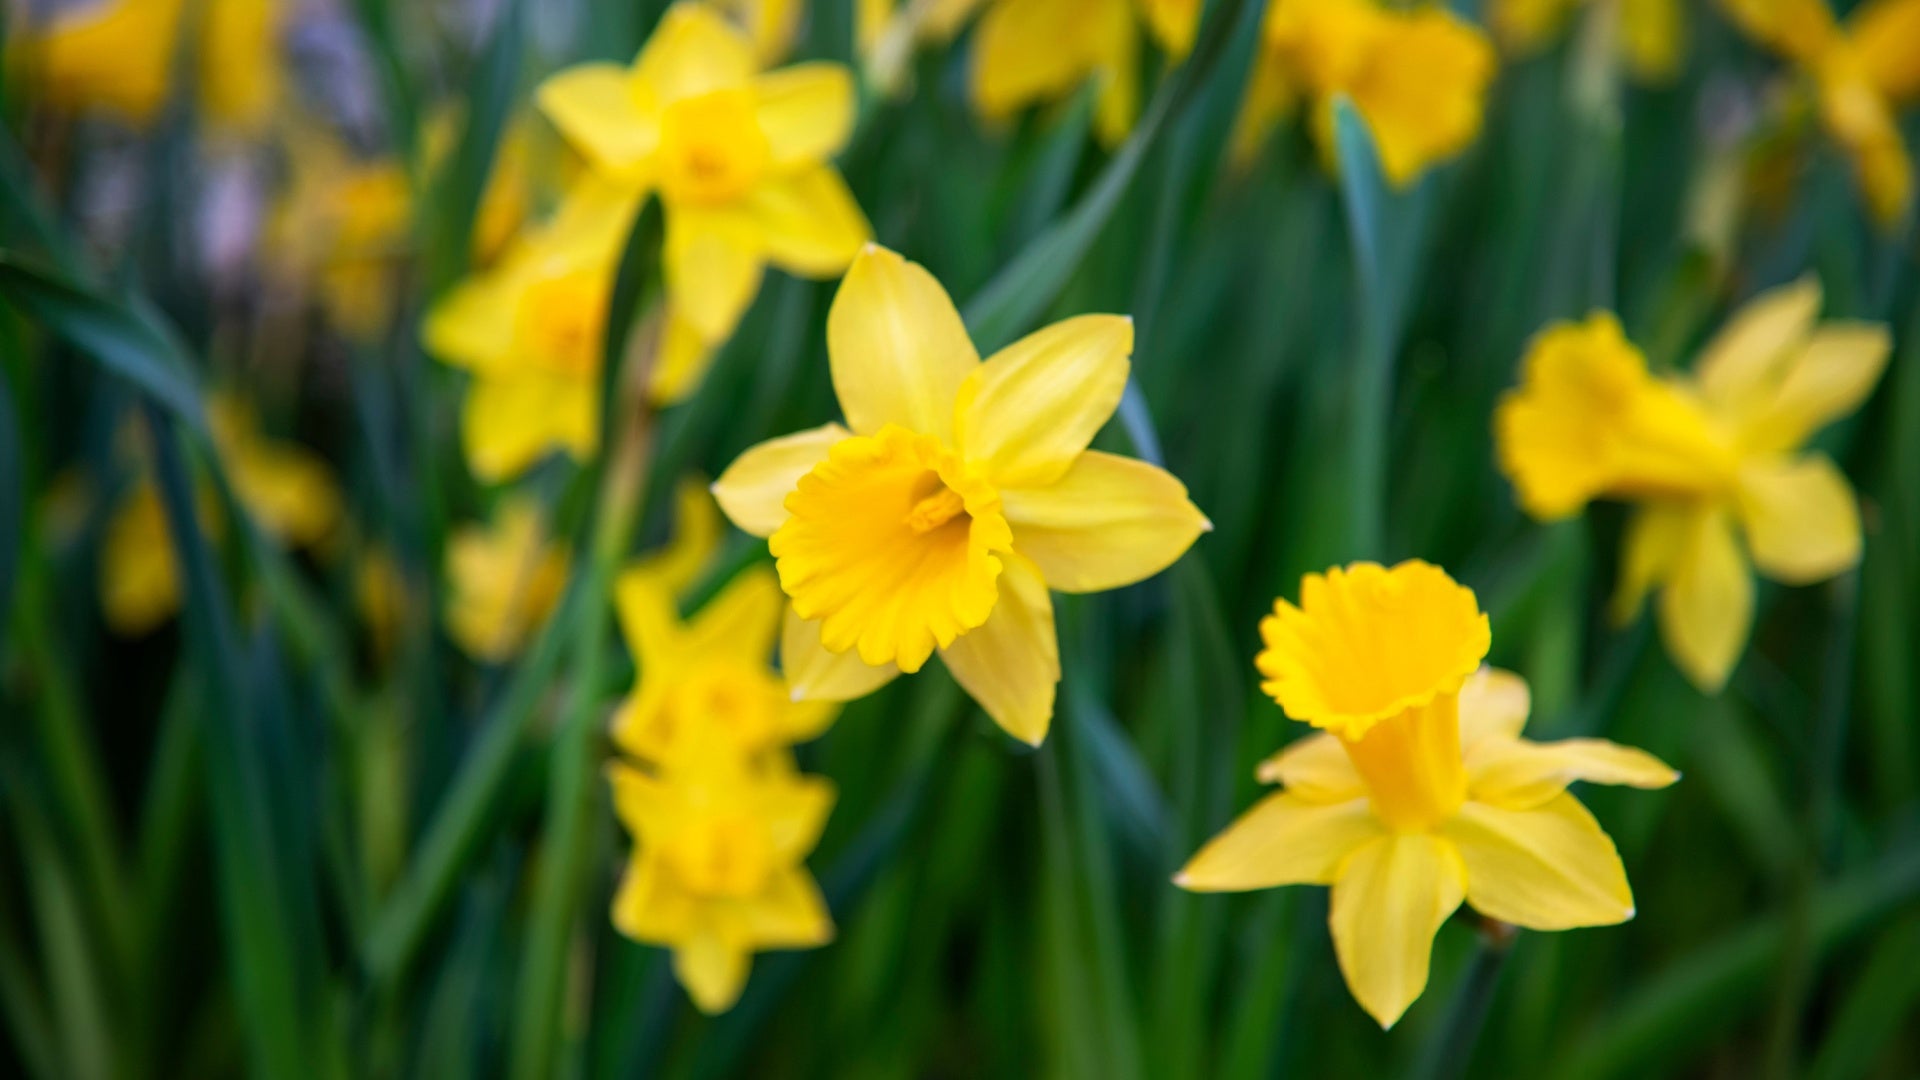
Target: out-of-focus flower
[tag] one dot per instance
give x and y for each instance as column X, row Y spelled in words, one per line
column 117, row 57
column 771, row 25
column 531, row 330
column 1032, row 51
column 738, row 158
column 718, row 870
column 1418, row 77
column 961, row 493
column 1419, row 791
column 1708, row 460
column 1651, row 33
column 509, row 193
column 1862, row 72
column 344, row 224
column 139, row 574
column 285, row 488
column 503, row 581
column 380, row 593
column 886, row 32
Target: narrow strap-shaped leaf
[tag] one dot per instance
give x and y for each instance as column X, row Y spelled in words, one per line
column 464, row 174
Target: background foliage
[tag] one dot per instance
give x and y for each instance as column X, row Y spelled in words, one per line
column 252, row 843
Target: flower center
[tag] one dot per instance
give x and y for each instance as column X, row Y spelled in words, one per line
column 728, row 856
column 562, row 320
column 891, row 543
column 711, row 148
column 1412, row 765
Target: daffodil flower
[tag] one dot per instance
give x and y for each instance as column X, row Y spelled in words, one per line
column 718, row 870
column 738, row 157
column 531, row 330
column 955, row 495
column 1419, row 792
column 1418, row 77
column 503, row 580
column 118, row 57
column 1651, row 33
column 1032, row 51
column 1862, row 73
column 344, row 223
column 1714, row 462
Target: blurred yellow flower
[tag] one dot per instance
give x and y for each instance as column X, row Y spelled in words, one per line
column 1651, row 33
column 1418, row 77
column 531, row 331
column 1709, row 459
column 117, row 56
column 503, row 580
column 1032, row 51
column 139, row 576
column 512, row 182
column 343, row 224
column 961, row 493
column 1861, row 72
column 886, row 32
column 771, row 25
column 1419, row 792
column 380, row 594
column 718, row 869
column 738, row 158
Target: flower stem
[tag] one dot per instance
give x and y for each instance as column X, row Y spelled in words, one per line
column 1450, row 1050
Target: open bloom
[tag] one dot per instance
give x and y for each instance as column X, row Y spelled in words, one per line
column 1711, row 461
column 343, row 228
column 1651, row 33
column 117, row 56
column 1032, row 51
column 1862, row 72
column 958, row 492
column 718, row 870
column 503, row 580
column 738, row 157
column 1419, row 791
column 532, row 332
column 1418, row 77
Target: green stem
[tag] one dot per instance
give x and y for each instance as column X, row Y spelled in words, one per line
column 1450, row 1050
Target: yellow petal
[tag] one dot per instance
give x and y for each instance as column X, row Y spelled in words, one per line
column 1657, row 536
column 713, row 971
column 680, row 363
column 1390, row 900
column 1270, row 97
column 649, row 620
column 1884, row 34
column 1031, row 409
column 806, row 112
column 508, row 424
column 1011, row 663
column 898, row 349
column 790, row 914
column 754, row 489
column 606, row 115
column 472, row 326
column 1516, row 774
column 795, row 812
column 1547, row 868
column 693, row 51
column 1796, row 29
column 742, row 620
column 1316, row 768
column 1109, row 521
column 713, row 262
column 1828, row 378
column 139, row 579
column 1801, row 519
column 1526, row 25
column 1706, row 609
column 1173, row 23
column 695, row 539
column 1284, row 840
column 814, row 674
column 649, row 907
column 1493, row 703
column 1423, row 92
column 809, row 222
column 1033, row 50
column 1740, row 362
column 1116, row 70
column 1653, row 36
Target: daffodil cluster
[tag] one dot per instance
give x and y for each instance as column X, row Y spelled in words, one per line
column 1714, row 462
column 1418, row 792
column 721, row 819
column 955, row 496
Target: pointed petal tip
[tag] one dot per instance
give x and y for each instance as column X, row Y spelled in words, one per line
column 1181, row 879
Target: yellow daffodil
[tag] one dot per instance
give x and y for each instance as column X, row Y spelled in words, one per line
column 956, row 494
column 531, row 330
column 1418, row 77
column 503, row 580
column 139, row 575
column 887, row 31
column 1862, row 72
column 511, row 185
column 117, row 56
column 718, row 870
column 738, row 158
column 1418, row 792
column 1651, row 33
column 1709, row 460
column 1031, row 51
column 344, row 224
column 771, row 25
